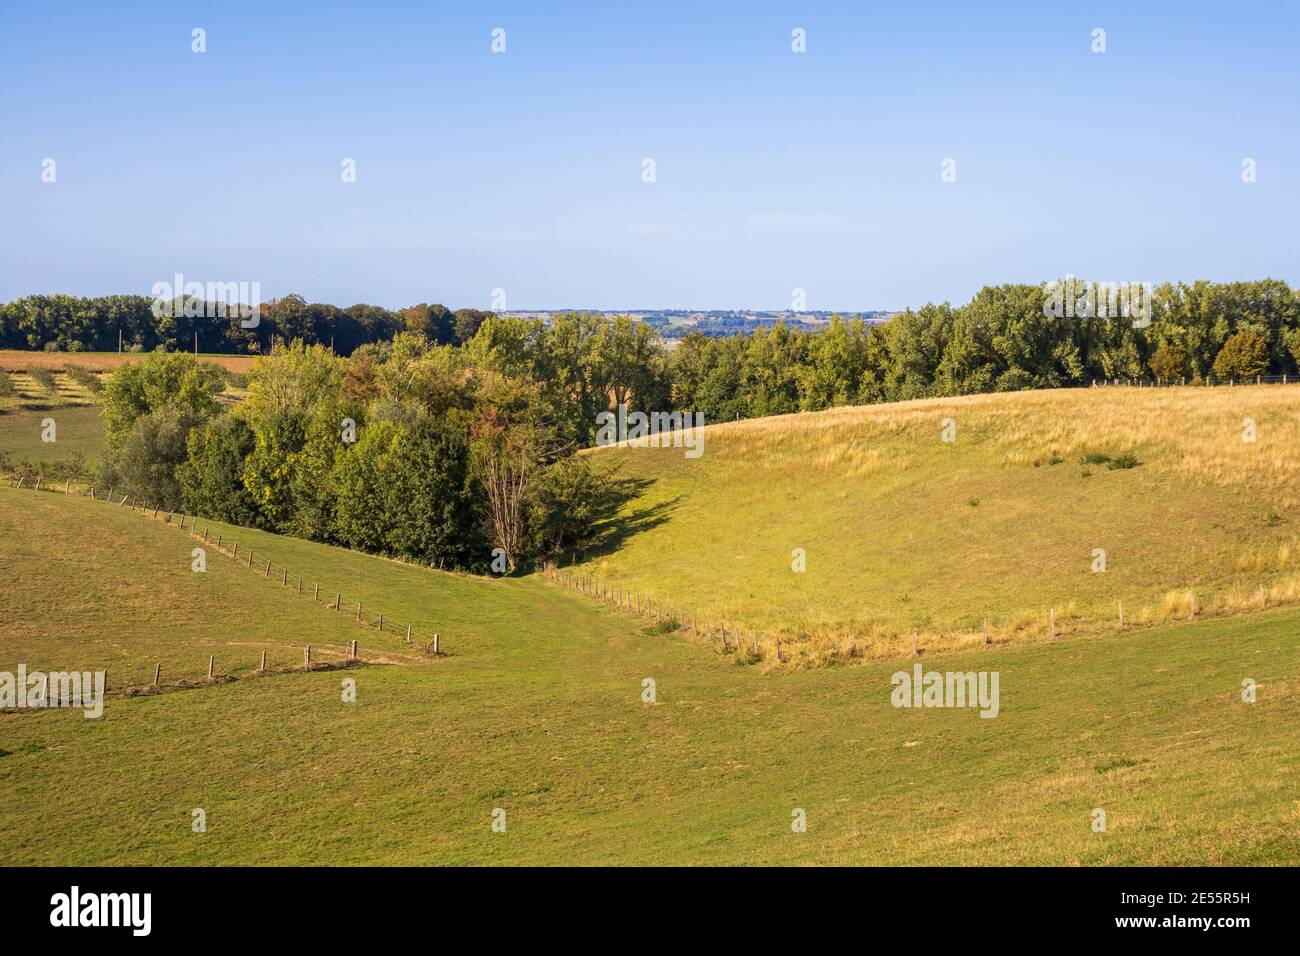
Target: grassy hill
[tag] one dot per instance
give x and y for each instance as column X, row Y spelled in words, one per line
column 903, row 530
column 537, row 708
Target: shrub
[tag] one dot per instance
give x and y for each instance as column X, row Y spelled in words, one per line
column 1094, row 458
column 1122, row 462
column 84, row 377
column 44, row 377
column 6, row 385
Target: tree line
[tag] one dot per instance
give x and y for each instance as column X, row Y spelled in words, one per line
column 65, row 323
column 999, row 341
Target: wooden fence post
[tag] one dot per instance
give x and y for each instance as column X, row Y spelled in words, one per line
column 986, row 631
column 436, row 650
column 914, row 653
column 263, row 667
column 358, row 610
column 1051, row 621
column 306, row 657
column 408, row 634
column 236, row 550
column 157, row 672
column 211, row 665
column 381, row 622
column 1120, row 605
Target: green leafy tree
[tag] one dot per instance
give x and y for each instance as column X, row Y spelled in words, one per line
column 162, row 380
column 1244, row 355
column 270, row 470
column 211, row 478
column 293, row 378
column 149, row 459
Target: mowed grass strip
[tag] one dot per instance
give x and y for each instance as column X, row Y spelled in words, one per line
column 903, row 530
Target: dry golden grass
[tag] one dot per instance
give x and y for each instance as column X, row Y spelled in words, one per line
column 19, row 360
column 904, row 532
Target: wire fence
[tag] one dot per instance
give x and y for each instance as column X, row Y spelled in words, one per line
column 246, row 555
column 726, row 638
column 1055, row 622
column 1209, row 380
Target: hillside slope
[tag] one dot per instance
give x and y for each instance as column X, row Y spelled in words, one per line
column 538, row 709
column 901, row 529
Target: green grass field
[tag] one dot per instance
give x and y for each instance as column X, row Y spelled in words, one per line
column 903, row 530
column 537, row 709
column 78, row 429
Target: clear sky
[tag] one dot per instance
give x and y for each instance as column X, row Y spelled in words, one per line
column 522, row 170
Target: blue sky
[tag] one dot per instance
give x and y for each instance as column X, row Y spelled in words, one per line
column 522, row 170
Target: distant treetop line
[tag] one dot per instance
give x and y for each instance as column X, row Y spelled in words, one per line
column 1006, row 338
column 64, row 323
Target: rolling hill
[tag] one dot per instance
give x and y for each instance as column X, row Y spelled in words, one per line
column 538, row 709
column 901, row 530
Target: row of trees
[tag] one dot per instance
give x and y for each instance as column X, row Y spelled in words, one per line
column 999, row 341
column 66, row 323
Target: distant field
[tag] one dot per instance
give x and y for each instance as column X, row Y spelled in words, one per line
column 104, row 361
column 537, row 709
column 67, row 392
column 78, row 428
column 902, row 530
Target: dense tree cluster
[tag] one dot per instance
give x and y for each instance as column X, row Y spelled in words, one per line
column 405, row 448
